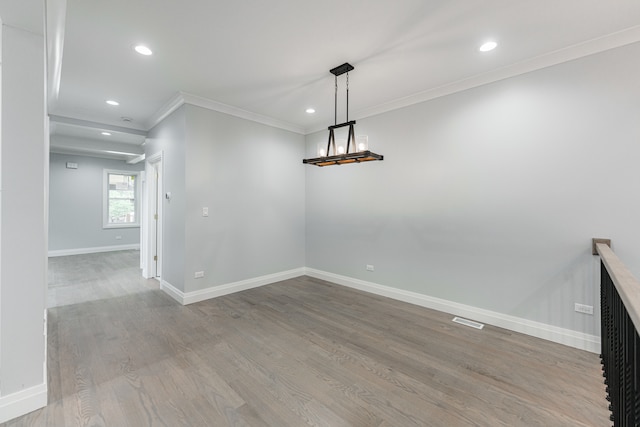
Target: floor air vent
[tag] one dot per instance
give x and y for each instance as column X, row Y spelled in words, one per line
column 469, row 323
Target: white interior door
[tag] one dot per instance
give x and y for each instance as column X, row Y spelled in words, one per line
column 156, row 223
column 153, row 218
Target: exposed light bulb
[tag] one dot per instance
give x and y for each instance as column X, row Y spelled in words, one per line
column 322, row 152
column 112, row 102
column 106, row 133
column 340, row 149
column 310, row 110
column 363, row 142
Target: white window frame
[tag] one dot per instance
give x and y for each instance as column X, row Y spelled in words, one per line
column 105, row 198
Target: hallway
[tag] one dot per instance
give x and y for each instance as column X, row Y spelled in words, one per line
column 92, row 277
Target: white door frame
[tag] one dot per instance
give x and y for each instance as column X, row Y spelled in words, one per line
column 153, row 166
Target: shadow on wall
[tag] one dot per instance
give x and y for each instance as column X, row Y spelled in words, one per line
column 553, row 302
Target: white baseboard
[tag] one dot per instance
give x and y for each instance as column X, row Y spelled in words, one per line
column 21, row 403
column 540, row 330
column 517, row 324
column 82, row 251
column 172, row 291
column 229, row 288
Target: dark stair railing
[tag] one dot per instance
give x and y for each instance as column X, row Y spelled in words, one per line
column 620, row 322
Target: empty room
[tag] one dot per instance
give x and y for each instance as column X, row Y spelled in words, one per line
column 344, row 213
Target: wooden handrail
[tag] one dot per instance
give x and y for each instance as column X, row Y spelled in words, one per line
column 626, row 284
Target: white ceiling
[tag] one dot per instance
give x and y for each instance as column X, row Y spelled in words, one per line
column 271, row 58
column 19, row 13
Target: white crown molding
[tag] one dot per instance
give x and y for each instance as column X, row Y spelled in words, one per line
column 64, row 144
column 517, row 324
column 590, row 47
column 238, row 112
column 136, row 160
column 84, row 124
column 169, row 107
column 186, row 98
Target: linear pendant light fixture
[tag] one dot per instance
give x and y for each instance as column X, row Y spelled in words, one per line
column 352, row 153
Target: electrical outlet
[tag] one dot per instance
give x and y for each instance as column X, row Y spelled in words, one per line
column 205, row 211
column 198, row 274
column 369, row 267
column 582, row 308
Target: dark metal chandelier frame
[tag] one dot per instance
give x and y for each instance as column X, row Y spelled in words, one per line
column 346, row 157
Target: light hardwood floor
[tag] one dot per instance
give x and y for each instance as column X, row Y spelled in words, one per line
column 299, row 352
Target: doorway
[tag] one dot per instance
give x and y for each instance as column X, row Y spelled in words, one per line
column 151, row 252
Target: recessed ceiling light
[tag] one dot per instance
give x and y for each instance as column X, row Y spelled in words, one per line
column 112, row 102
column 310, row 110
column 143, row 50
column 488, row 46
column 106, row 133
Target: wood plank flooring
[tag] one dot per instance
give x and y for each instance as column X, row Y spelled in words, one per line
column 295, row 353
column 93, row 277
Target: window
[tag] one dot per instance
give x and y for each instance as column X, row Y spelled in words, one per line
column 120, row 199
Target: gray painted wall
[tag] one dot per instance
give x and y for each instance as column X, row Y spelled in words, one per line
column 168, row 137
column 76, row 204
column 23, row 224
column 490, row 197
column 251, row 178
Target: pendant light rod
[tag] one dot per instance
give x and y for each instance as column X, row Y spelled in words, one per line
column 338, row 71
column 335, row 103
column 347, row 96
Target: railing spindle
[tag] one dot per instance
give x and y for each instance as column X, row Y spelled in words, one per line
column 619, row 325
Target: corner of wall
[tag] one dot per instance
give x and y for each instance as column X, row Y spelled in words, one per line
column 186, row 298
